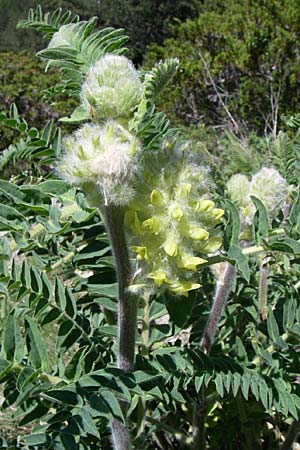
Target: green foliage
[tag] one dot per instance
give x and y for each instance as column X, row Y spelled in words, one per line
column 59, row 294
column 286, row 154
column 23, row 82
column 47, row 23
column 44, row 145
column 59, row 300
column 75, row 47
column 146, row 21
column 239, row 65
column 159, row 77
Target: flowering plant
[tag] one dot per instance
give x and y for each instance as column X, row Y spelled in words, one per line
column 190, row 372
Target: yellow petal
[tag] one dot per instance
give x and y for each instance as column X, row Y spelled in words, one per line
column 199, row 234
column 182, row 288
column 176, row 213
column 204, row 205
column 217, row 213
column 141, row 252
column 170, row 247
column 159, row 277
column 185, row 189
column 156, row 198
column 152, row 224
column 190, row 262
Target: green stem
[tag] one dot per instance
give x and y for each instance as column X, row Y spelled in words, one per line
column 127, row 311
column 253, row 250
column 66, row 258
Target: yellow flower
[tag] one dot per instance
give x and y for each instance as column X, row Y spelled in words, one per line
column 183, row 288
column 156, row 198
column 159, row 277
column 189, row 262
column 141, row 252
column 171, row 247
column 204, row 205
column 178, row 222
column 198, row 233
column 153, row 224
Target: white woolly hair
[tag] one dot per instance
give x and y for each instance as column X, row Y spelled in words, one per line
column 267, row 185
column 102, row 155
column 112, row 87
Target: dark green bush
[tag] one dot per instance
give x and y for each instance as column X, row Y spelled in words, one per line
column 239, row 64
column 23, row 80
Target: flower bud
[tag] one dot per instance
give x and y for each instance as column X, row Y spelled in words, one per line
column 102, row 157
column 271, row 188
column 239, row 187
column 112, row 89
column 267, row 185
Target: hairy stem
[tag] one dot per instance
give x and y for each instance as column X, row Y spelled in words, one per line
column 220, row 299
column 263, row 293
column 127, row 312
column 200, row 407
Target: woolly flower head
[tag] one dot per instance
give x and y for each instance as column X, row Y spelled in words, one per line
column 112, row 88
column 267, row 185
column 239, row 188
column 172, row 226
column 101, row 160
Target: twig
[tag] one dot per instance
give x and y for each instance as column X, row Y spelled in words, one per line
column 230, row 116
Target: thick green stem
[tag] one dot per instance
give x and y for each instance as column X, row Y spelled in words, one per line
column 200, row 408
column 127, row 311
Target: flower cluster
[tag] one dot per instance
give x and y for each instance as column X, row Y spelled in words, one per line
column 267, row 185
column 171, row 224
column 112, row 88
column 102, row 160
column 169, row 216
